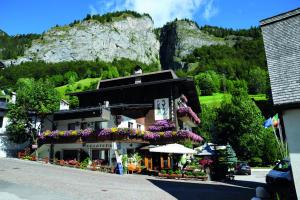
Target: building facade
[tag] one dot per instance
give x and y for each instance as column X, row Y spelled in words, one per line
column 123, row 114
column 281, row 35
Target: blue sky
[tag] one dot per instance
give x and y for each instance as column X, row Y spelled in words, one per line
column 36, row 16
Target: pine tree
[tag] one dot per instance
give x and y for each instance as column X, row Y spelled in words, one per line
column 230, row 155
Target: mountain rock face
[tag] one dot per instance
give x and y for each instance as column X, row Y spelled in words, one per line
column 128, row 37
column 131, row 38
column 179, row 38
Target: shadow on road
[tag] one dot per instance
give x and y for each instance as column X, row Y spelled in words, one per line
column 249, row 184
column 237, row 190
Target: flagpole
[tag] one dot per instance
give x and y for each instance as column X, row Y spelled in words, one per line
column 284, row 146
column 279, row 143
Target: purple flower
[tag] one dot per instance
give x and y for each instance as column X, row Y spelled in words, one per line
column 86, row 132
column 187, row 111
column 168, row 134
column 104, row 132
column 162, row 125
column 151, row 136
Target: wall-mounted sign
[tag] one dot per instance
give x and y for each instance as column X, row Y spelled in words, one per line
column 161, row 109
column 99, row 145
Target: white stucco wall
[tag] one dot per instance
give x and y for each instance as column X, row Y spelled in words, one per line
column 87, row 147
column 292, row 128
column 63, row 124
column 125, row 120
column 5, row 123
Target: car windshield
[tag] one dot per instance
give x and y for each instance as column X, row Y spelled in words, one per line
column 283, row 166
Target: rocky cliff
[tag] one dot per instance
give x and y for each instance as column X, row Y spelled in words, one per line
column 122, row 36
column 129, row 37
column 179, row 38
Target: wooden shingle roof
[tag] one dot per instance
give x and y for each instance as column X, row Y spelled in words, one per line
column 281, row 35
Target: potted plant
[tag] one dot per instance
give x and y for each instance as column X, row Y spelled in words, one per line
column 188, row 174
column 163, row 173
column 177, row 174
column 62, row 162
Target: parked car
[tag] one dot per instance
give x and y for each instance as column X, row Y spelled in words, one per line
column 281, row 174
column 243, row 169
column 280, row 180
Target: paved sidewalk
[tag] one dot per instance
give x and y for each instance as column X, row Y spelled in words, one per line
column 27, row 180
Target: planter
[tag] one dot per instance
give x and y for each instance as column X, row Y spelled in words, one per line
column 61, row 162
column 203, row 178
column 162, row 175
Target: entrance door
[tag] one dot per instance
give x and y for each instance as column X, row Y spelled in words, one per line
column 70, row 154
column 101, row 156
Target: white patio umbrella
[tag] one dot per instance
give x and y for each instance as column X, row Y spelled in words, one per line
column 173, row 148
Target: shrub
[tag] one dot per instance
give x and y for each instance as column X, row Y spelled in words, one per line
column 85, row 163
column 177, row 172
column 170, row 172
column 163, row 171
column 199, row 174
column 256, row 161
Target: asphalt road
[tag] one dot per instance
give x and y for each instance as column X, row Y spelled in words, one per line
column 27, row 180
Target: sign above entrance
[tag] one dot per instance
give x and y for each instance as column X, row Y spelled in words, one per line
column 99, row 145
column 161, row 109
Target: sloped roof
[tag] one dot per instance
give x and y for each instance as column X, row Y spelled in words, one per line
column 281, row 35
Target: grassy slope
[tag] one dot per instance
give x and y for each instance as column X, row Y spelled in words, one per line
column 79, row 85
column 217, row 98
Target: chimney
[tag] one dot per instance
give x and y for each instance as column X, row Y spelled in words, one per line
column 138, row 71
column 64, row 105
column 13, row 98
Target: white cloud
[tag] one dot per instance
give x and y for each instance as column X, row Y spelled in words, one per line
column 161, row 11
column 210, row 10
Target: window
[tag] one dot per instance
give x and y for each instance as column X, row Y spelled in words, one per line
column 71, row 126
column 101, row 155
column 98, row 125
column 130, row 125
column 83, row 125
column 1, row 122
column 282, row 166
column 139, row 127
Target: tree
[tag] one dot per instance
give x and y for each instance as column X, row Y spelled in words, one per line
column 239, row 123
column 230, row 156
column 257, row 81
column 35, row 99
column 205, row 83
column 208, row 117
column 71, row 76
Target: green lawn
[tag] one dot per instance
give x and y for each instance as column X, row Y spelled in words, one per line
column 217, row 98
column 77, row 86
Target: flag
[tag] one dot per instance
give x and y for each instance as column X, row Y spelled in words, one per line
column 275, row 120
column 268, row 123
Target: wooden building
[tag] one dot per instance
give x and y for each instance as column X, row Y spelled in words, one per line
column 128, row 113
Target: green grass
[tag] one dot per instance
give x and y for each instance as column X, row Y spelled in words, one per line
column 77, row 86
column 214, row 100
column 258, row 97
column 217, row 98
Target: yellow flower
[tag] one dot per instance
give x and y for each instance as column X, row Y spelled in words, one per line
column 173, row 133
column 61, row 133
column 161, row 133
column 74, row 132
column 47, row 132
column 114, row 130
